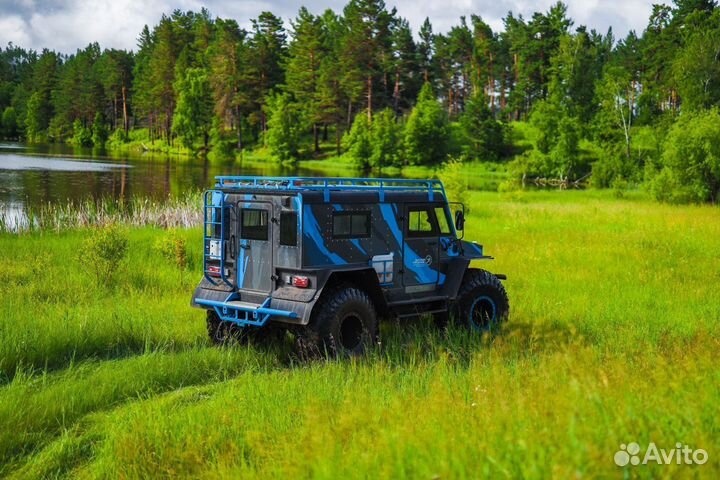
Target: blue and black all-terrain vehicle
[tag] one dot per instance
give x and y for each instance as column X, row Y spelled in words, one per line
column 326, row 257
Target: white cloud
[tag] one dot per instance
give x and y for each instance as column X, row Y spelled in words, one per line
column 14, row 29
column 67, row 25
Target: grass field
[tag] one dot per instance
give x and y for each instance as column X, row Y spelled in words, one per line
column 613, row 337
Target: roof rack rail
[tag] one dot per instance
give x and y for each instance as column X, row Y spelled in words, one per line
column 326, row 185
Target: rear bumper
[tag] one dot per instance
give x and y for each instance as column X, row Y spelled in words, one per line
column 255, row 311
column 246, row 314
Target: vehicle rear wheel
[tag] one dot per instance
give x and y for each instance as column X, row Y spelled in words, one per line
column 482, row 302
column 343, row 323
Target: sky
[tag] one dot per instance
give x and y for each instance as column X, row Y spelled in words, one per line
column 66, row 25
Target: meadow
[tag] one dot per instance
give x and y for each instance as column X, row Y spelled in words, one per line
column 613, row 337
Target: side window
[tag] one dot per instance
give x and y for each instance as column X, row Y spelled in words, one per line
column 288, row 228
column 443, row 220
column 421, row 222
column 351, row 224
column 253, row 224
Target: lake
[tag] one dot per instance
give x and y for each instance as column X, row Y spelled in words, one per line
column 39, row 174
column 34, row 175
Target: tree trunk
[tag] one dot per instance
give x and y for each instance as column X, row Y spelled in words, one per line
column 238, row 121
column 325, row 132
column 337, row 138
column 369, row 97
column 115, row 115
column 316, row 137
column 396, row 93
column 126, row 123
column 349, row 114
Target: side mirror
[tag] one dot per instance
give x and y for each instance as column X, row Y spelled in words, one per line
column 459, row 220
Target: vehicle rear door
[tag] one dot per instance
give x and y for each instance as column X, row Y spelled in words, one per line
column 420, row 249
column 255, row 246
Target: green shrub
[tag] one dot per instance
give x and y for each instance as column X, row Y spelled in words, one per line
column 103, row 252
column 82, row 136
column 173, row 247
column 691, row 160
column 455, row 181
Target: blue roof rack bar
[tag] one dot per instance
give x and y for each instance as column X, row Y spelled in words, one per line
column 327, row 185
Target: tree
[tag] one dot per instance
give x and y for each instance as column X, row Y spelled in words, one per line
column 364, row 50
column 696, row 68
column 36, row 120
column 305, row 57
column 357, row 142
column 285, row 125
column 114, row 70
column 691, row 160
column 483, row 135
column 613, row 127
column 385, row 139
column 193, row 116
column 9, row 123
column 99, row 131
column 268, row 50
column 426, row 132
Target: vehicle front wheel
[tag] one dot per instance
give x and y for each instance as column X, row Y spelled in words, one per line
column 482, row 302
column 343, row 323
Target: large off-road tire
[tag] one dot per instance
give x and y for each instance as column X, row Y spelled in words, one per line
column 343, row 323
column 227, row 333
column 482, row 303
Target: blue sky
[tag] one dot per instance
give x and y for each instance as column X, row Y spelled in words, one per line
column 67, row 25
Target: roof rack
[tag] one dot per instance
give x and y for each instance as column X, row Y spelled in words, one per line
column 327, row 185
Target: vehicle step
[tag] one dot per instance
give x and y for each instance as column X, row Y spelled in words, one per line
column 414, row 301
column 243, row 305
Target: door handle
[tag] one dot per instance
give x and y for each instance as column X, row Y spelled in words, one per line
column 245, row 246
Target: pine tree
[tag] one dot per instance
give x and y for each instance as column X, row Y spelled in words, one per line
column 426, row 132
column 483, row 136
column 365, row 50
column 357, row 142
column 268, row 50
column 305, row 57
column 284, row 127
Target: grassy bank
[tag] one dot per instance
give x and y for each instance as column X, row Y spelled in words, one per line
column 613, row 338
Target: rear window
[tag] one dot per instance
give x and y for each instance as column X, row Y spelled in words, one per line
column 253, row 224
column 288, row 228
column 351, row 224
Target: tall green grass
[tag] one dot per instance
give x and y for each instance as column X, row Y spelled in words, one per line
column 613, row 337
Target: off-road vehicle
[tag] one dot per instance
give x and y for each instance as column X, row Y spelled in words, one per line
column 326, row 257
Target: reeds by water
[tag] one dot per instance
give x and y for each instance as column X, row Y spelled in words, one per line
column 172, row 212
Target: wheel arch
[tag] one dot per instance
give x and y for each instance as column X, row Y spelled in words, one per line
column 364, row 279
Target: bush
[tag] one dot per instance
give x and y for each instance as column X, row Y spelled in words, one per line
column 455, row 181
column 690, row 163
column 173, row 248
column 82, row 136
column 103, row 252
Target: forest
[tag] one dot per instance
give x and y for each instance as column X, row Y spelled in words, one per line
column 543, row 97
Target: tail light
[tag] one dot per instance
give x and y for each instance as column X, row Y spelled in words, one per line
column 300, row 282
column 213, row 270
